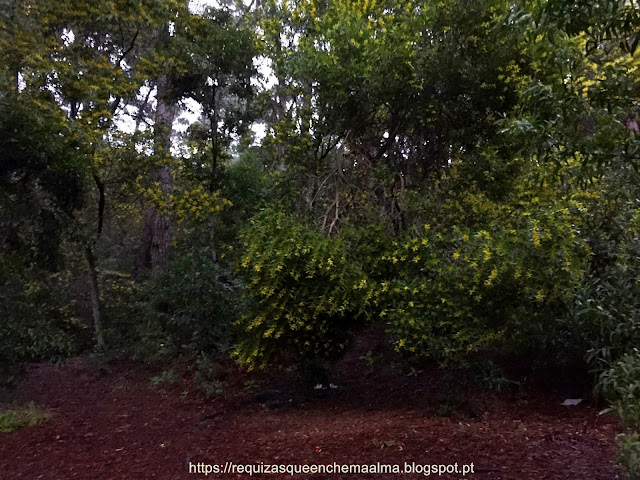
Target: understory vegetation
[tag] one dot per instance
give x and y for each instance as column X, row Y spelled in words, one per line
column 464, row 174
column 16, row 418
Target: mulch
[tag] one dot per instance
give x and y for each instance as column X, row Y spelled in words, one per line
column 119, row 426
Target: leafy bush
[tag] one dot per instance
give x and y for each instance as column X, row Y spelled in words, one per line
column 601, row 324
column 191, row 307
column 245, row 185
column 483, row 276
column 620, row 385
column 628, row 454
column 130, row 322
column 602, row 321
column 207, row 378
column 490, row 375
column 196, row 303
column 478, row 276
column 37, row 317
column 308, row 296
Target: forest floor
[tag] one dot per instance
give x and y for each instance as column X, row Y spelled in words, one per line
column 119, row 426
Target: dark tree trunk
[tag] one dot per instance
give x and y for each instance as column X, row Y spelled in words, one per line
column 156, row 238
column 95, row 300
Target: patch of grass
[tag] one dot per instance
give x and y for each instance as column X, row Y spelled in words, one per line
column 29, row 415
column 168, row 376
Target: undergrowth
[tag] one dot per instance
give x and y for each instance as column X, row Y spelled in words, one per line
column 26, row 416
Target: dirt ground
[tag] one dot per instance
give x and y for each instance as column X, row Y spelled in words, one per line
column 119, row 426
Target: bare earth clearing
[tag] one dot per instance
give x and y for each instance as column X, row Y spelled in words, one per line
column 119, row 426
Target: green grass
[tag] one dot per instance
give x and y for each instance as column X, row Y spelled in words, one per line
column 166, row 377
column 29, row 415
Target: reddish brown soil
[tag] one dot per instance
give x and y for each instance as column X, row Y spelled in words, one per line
column 118, row 426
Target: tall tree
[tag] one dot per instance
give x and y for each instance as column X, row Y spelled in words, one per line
column 85, row 60
column 211, row 62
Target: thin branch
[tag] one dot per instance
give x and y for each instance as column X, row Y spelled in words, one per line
column 126, row 52
column 101, row 203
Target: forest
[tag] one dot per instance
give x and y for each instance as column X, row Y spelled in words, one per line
column 278, row 212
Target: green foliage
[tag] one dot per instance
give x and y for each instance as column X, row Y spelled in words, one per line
column 196, row 302
column 43, row 171
column 218, row 76
column 483, row 275
column 574, row 102
column 620, row 385
column 247, row 187
column 308, row 296
column 244, row 186
column 601, row 320
column 37, row 314
column 488, row 374
column 130, row 322
column 251, row 384
column 14, row 419
column 602, row 317
column 464, row 172
column 628, row 454
column 481, row 149
column 42, row 176
column 191, row 307
column 168, row 376
column 205, row 379
column 370, row 359
column 607, row 24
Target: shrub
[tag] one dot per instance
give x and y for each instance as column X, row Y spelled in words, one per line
column 602, row 322
column 307, row 295
column 208, row 379
column 196, row 303
column 191, row 307
column 483, row 276
column 620, row 385
column 37, row 317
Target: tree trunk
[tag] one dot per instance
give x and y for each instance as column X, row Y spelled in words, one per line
column 156, row 241
column 95, row 300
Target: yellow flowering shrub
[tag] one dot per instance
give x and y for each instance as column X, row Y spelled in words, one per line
column 308, row 295
column 483, row 275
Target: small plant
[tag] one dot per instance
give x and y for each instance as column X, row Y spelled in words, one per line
column 211, row 389
column 448, row 408
column 370, row 358
column 621, row 386
column 628, row 453
column 205, row 378
column 490, row 375
column 168, row 376
column 459, row 406
column 11, row 420
column 250, row 384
